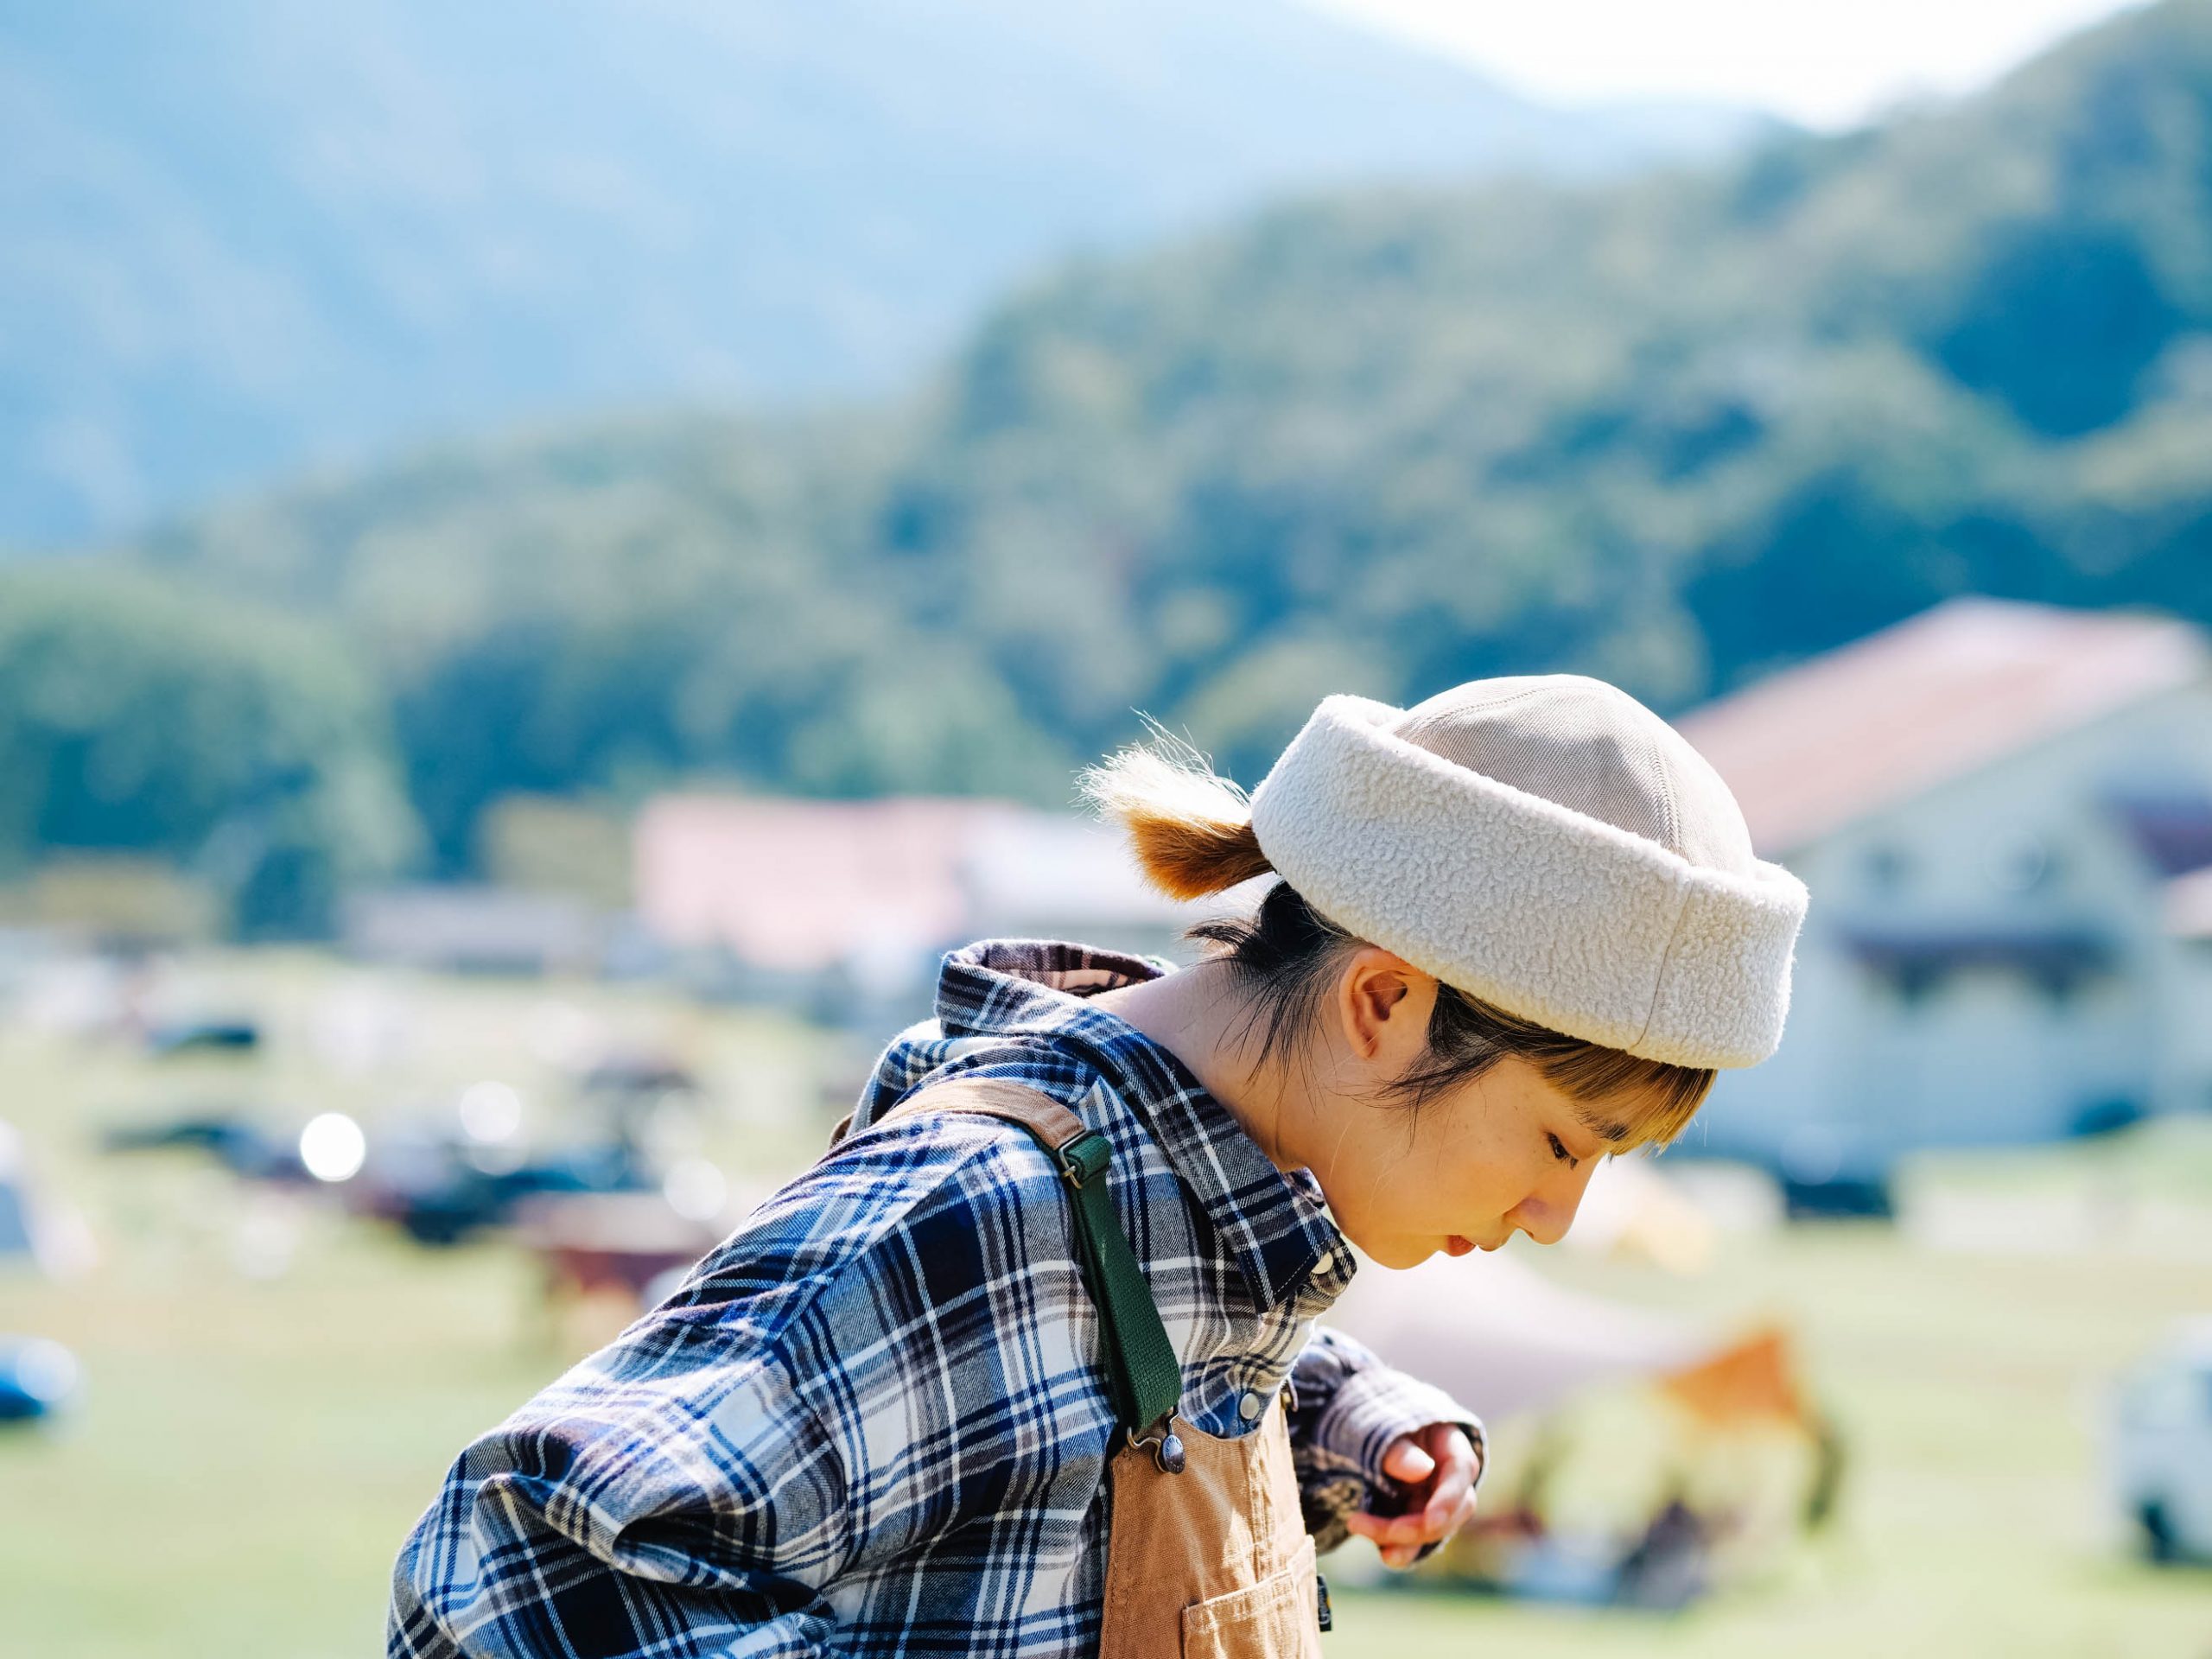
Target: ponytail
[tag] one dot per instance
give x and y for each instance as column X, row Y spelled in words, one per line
column 1190, row 828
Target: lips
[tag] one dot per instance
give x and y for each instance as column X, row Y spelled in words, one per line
column 1459, row 1246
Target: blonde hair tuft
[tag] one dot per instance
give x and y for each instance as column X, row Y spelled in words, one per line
column 1190, row 828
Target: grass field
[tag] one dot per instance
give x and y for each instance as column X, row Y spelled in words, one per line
column 251, row 1450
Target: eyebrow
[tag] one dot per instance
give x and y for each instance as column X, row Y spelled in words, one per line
column 1604, row 1128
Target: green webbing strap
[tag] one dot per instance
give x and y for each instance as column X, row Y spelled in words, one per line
column 1145, row 1376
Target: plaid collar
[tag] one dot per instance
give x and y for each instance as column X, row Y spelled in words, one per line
column 1276, row 1226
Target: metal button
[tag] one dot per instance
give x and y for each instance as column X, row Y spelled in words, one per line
column 1250, row 1406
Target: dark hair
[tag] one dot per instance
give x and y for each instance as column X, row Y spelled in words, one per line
column 1192, row 834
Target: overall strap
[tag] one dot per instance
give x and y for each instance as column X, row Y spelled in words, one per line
column 1146, row 1378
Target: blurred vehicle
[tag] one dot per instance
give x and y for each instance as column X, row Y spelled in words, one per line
column 204, row 1037
column 235, row 1141
column 439, row 1185
column 2159, row 1453
column 38, row 1377
column 440, row 1189
column 642, row 1097
column 639, row 1072
column 1838, row 1196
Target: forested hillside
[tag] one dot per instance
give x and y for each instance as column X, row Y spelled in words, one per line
column 240, row 745
column 1674, row 432
column 248, row 235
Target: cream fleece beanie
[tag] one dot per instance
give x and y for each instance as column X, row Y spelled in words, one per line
column 1548, row 844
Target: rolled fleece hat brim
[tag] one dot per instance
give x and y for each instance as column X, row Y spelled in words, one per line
column 1544, row 910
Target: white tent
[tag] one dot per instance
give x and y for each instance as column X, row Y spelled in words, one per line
column 36, row 1233
column 1497, row 1333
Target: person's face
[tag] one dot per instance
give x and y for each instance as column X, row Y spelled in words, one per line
column 1506, row 1152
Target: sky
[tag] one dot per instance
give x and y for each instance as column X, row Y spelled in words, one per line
column 1818, row 62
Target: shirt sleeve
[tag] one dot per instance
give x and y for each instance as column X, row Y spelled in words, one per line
column 883, row 1354
column 1349, row 1407
column 639, row 1506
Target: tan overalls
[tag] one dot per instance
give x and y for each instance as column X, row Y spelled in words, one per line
column 1208, row 1556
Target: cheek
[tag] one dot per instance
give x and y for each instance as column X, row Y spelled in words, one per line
column 1446, row 1174
column 1453, row 1188
column 1381, row 1188
column 1468, row 1173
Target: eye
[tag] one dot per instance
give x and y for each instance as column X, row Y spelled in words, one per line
column 1559, row 1150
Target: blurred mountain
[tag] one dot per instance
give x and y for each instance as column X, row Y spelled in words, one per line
column 1676, row 430
column 249, row 235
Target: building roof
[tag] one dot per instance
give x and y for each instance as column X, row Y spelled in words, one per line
column 804, row 885
column 1944, row 693
column 801, row 886
column 1056, row 870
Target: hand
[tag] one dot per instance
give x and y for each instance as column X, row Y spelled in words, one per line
column 1437, row 1466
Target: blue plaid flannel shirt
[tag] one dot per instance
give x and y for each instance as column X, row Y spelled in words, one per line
column 873, row 1420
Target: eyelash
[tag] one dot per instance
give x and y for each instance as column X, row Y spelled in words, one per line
column 1560, row 1152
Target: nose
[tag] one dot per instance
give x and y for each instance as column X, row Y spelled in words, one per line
column 1546, row 1213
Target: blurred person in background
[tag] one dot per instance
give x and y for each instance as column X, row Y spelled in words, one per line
column 1028, row 1363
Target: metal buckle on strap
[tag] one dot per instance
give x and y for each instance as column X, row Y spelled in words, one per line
column 1167, row 1447
column 1087, row 1155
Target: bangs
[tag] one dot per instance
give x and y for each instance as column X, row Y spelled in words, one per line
column 1629, row 1102
column 1626, row 1099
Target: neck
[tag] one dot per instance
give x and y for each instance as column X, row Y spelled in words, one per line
column 1197, row 1016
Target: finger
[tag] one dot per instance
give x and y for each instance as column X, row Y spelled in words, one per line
column 1406, row 1461
column 1444, row 1526
column 1438, row 1525
column 1387, row 1531
column 1448, row 1443
column 1416, row 1529
column 1386, row 1528
column 1430, row 1532
column 1453, row 1483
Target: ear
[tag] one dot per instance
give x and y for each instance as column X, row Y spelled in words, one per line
column 1381, row 1002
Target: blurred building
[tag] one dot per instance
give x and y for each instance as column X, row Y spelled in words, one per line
column 464, row 928
column 2189, row 923
column 2004, row 814
column 846, row 904
column 122, row 904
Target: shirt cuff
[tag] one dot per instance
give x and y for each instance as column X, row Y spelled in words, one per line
column 1369, row 1411
column 1372, row 1407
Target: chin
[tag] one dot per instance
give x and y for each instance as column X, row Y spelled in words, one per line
column 1400, row 1253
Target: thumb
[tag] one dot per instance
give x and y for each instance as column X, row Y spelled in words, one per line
column 1407, row 1462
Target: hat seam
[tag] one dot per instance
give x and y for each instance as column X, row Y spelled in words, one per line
column 1429, row 720
column 1659, row 980
column 1667, row 789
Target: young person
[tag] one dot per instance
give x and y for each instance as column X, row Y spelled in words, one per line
column 1028, row 1363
